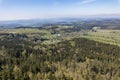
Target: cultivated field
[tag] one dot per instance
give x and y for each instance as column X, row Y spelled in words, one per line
column 105, row 36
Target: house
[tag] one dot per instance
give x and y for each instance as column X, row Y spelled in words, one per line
column 95, row 29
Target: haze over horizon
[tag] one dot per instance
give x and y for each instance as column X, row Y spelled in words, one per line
column 41, row 9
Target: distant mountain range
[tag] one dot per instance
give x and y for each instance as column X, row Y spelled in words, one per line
column 35, row 22
column 41, row 22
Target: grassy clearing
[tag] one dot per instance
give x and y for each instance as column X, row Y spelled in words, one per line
column 27, row 31
column 105, row 36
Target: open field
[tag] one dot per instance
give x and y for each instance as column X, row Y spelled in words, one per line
column 27, row 31
column 105, row 36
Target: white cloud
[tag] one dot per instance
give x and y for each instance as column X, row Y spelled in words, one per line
column 87, row 1
column 79, row 2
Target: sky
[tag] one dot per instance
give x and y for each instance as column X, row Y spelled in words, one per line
column 41, row 9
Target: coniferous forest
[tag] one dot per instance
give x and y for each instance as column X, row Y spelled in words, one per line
column 75, row 59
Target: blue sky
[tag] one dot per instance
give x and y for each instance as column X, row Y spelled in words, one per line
column 31, row 9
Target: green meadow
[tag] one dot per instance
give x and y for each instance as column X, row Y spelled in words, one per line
column 105, row 36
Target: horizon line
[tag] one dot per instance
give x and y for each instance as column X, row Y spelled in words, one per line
column 82, row 16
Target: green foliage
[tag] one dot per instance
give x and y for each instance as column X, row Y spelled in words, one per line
column 76, row 59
